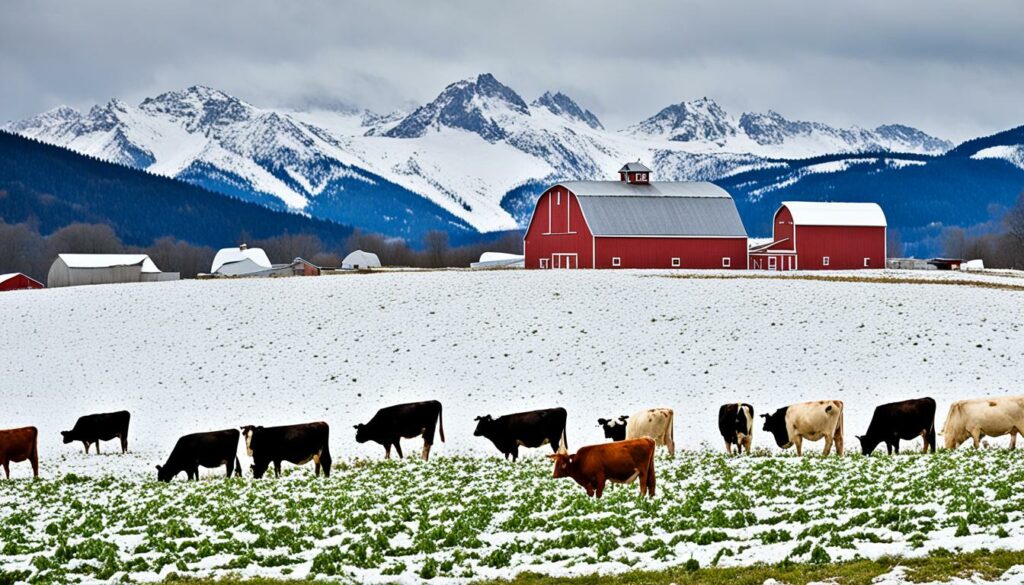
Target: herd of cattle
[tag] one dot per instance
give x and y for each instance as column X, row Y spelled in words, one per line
column 629, row 457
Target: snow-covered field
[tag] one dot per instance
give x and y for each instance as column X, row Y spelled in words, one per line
column 203, row 355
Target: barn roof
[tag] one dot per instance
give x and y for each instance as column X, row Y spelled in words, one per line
column 617, row 208
column 634, row 167
column 108, row 260
column 8, row 276
column 232, row 255
column 836, row 214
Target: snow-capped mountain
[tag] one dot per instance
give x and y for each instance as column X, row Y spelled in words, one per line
column 471, row 159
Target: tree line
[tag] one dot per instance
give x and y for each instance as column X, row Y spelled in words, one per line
column 1003, row 248
column 24, row 249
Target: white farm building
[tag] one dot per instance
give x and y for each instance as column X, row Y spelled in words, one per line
column 240, row 261
column 80, row 269
column 360, row 260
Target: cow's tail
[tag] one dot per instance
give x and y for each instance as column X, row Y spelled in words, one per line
column 564, row 444
column 650, row 475
column 931, row 434
column 840, row 427
column 238, row 466
column 440, row 420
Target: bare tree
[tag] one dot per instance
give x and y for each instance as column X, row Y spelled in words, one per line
column 435, row 248
column 22, row 249
column 894, row 243
column 1014, row 223
column 953, row 242
column 173, row 255
column 285, row 248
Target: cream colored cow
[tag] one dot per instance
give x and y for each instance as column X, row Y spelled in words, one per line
column 984, row 417
column 813, row 421
column 656, row 423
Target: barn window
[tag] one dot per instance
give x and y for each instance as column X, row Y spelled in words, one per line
column 867, row 262
column 543, row 262
column 676, row 262
column 726, row 262
column 616, row 261
column 824, row 261
column 558, row 197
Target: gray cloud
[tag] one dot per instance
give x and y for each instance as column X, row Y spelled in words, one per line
column 953, row 68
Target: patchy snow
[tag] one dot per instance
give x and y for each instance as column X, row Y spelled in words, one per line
column 1012, row 154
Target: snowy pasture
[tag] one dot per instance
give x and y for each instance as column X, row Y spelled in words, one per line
column 203, row 355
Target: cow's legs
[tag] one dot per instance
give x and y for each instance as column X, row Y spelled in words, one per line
column 277, row 468
column 671, row 444
column 828, row 446
column 86, row 444
column 98, row 446
column 728, row 447
column 896, row 445
column 838, row 440
column 1013, row 439
column 426, row 451
column 124, row 443
column 600, row 486
column 34, row 460
column 976, row 436
column 228, row 464
column 747, row 440
column 316, row 464
column 515, row 453
column 7, row 469
column 641, row 478
column 398, row 449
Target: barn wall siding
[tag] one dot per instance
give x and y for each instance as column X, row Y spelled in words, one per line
column 659, row 252
column 846, row 247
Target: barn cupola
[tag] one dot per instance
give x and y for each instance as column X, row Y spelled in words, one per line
column 635, row 173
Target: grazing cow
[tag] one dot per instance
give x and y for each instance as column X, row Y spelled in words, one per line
column 984, row 417
column 527, row 429
column 656, row 423
column 403, row 421
column 736, row 423
column 614, row 429
column 900, row 420
column 296, row 444
column 93, row 428
column 822, row 419
column 210, row 449
column 17, row 445
column 619, row 462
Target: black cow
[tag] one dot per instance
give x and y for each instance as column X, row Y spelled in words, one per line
column 529, row 429
column 296, row 444
column 93, row 428
column 614, row 429
column 210, row 449
column 900, row 420
column 403, row 421
column 736, row 423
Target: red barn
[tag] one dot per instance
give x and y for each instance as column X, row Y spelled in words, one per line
column 635, row 223
column 823, row 236
column 18, row 281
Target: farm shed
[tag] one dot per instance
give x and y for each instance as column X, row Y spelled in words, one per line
column 823, row 236
column 360, row 260
column 18, row 281
column 240, row 261
column 498, row 260
column 81, row 269
column 635, row 223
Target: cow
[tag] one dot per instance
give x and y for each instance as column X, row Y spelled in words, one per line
column 93, row 428
column 296, row 444
column 619, row 462
column 984, row 417
column 904, row 420
column 527, row 429
column 403, row 421
column 614, row 429
column 822, row 419
column 17, row 445
column 656, row 423
column 736, row 423
column 210, row 449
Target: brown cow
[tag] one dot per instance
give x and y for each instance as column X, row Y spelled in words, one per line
column 17, row 445
column 619, row 462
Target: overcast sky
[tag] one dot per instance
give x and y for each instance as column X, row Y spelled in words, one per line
column 955, row 69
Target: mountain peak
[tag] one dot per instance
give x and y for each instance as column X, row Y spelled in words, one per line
column 198, row 106
column 477, row 105
column 562, row 105
column 701, row 119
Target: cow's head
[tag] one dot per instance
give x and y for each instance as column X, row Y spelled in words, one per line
column 247, row 432
column 362, row 433
column 67, row 436
column 775, row 424
column 562, row 463
column 482, row 424
column 614, row 429
column 162, row 474
column 867, row 446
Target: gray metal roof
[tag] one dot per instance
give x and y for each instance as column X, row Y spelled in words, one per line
column 616, row 208
column 634, row 167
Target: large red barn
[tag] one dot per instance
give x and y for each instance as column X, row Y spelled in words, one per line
column 18, row 281
column 824, row 236
column 635, row 223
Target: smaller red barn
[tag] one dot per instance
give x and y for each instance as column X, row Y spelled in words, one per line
column 18, row 281
column 810, row 235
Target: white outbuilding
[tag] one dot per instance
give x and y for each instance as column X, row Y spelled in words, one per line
column 360, row 260
column 499, row 260
column 80, row 269
column 240, row 261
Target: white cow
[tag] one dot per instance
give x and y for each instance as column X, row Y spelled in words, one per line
column 656, row 423
column 984, row 417
column 813, row 421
